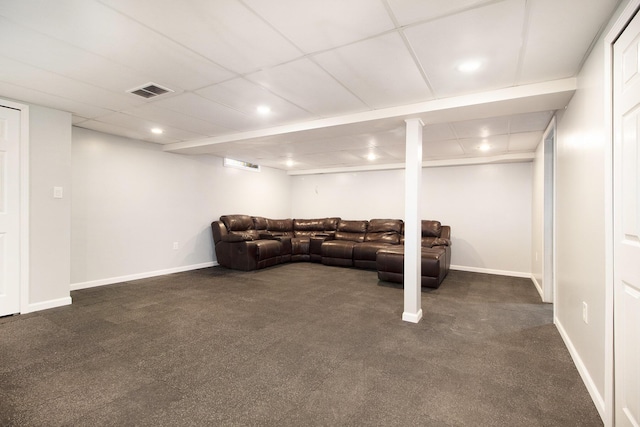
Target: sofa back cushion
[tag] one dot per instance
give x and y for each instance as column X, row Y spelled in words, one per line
column 331, row 224
column 240, row 225
column 308, row 227
column 259, row 223
column 384, row 231
column 351, row 230
column 281, row 227
column 431, row 228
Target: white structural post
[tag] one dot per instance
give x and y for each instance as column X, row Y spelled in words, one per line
column 413, row 225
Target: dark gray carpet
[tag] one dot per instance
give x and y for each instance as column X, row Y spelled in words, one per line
column 294, row 345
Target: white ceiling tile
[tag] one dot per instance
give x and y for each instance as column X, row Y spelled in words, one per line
column 155, row 113
column 318, row 25
column 526, row 141
column 559, row 35
column 196, row 106
column 26, row 94
column 330, row 159
column 396, row 151
column 143, row 125
column 380, row 155
column 36, row 49
column 410, row 11
column 97, row 28
column 245, row 96
column 125, row 132
column 482, row 128
column 499, row 144
column 380, row 71
column 383, row 138
column 441, row 149
column 344, row 143
column 438, row 132
column 530, row 121
column 306, row 85
column 54, row 84
column 491, row 35
column 224, row 31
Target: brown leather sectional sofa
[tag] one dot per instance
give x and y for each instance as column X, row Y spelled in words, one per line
column 246, row 242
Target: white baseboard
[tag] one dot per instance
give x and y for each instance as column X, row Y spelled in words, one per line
column 538, row 287
column 145, row 275
column 45, row 305
column 597, row 398
column 491, row 271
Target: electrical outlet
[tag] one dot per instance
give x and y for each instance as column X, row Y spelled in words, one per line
column 585, row 312
column 175, row 246
column 57, row 192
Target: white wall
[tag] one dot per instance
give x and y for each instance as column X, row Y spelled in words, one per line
column 49, row 219
column 131, row 201
column 580, row 224
column 487, row 206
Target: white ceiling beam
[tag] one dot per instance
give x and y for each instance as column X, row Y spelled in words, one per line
column 549, row 95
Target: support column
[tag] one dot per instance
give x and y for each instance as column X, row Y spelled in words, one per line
column 412, row 222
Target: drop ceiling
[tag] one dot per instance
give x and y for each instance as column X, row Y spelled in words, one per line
column 339, row 76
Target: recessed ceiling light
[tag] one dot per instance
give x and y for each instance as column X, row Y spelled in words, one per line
column 263, row 109
column 484, row 147
column 469, row 66
column 371, row 157
column 157, row 131
column 289, row 162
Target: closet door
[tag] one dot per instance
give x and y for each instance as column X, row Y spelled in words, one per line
column 9, row 211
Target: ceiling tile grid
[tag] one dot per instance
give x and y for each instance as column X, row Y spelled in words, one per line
column 380, row 71
column 306, row 60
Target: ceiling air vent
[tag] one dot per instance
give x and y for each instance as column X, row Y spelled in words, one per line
column 149, row 90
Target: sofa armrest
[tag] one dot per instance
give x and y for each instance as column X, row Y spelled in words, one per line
column 439, row 241
column 315, row 243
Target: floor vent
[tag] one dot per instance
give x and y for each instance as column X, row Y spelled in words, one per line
column 149, row 90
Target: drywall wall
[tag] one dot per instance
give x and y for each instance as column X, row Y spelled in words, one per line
column 487, row 206
column 49, row 217
column 580, row 223
column 132, row 201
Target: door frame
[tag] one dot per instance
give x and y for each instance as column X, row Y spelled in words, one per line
column 549, row 214
column 24, row 201
column 611, row 36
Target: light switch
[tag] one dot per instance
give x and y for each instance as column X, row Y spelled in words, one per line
column 57, row 192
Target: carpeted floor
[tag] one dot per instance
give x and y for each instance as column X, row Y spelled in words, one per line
column 293, row 345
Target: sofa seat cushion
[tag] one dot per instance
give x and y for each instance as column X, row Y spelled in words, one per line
column 364, row 254
column 267, row 249
column 390, row 265
column 300, row 245
column 337, row 252
column 367, row 250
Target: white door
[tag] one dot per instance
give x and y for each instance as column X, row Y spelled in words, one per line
column 626, row 228
column 9, row 211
